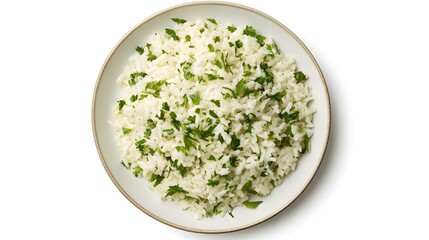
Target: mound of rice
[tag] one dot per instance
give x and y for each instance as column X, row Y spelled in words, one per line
column 213, row 115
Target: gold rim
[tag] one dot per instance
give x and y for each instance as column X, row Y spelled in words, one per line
column 174, row 224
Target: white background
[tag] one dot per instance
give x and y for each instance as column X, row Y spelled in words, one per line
column 373, row 183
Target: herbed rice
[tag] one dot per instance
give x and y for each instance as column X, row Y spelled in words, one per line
column 213, row 116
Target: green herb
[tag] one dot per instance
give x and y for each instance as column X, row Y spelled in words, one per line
column 212, row 21
column 252, row 205
column 233, row 161
column 225, row 62
column 157, row 179
column 289, row 117
column 216, row 102
column 233, row 94
column 154, row 88
column 137, row 170
column 178, row 20
column 249, row 31
column 134, row 98
column 238, row 44
column 175, row 189
column 195, row 98
column 151, row 57
column 167, row 132
column 211, row 158
column 273, row 49
column 182, row 149
column 186, row 66
column 126, row 166
column 213, row 182
column 140, row 50
column 192, row 118
column 241, row 88
column 235, row 142
column 143, row 96
column 189, row 142
column 208, row 132
column 300, row 77
column 211, row 48
column 216, row 39
column 172, row 34
column 247, row 73
column 147, row 133
column 214, row 77
column 278, row 96
column 121, row 104
column 260, row 39
column 187, row 38
column 165, row 106
column 220, row 138
column 213, row 114
column 231, row 29
column 133, row 77
column 185, row 101
column 202, row 30
column 247, row 185
column 306, row 144
column 125, row 130
column 150, row 123
column 218, row 63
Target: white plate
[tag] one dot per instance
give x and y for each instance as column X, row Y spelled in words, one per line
column 107, row 92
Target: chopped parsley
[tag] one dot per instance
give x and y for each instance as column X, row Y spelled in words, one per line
column 231, row 28
column 175, row 189
column 178, row 20
column 300, row 77
column 252, row 205
column 235, row 142
column 121, row 104
column 249, row 31
column 216, row 102
column 187, row 38
column 172, row 34
column 133, row 77
column 157, row 179
column 211, row 48
column 212, row 21
column 195, row 98
column 140, row 50
column 134, row 98
column 125, row 130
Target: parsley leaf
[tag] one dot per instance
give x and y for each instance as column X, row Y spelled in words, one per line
column 157, row 179
column 231, row 29
column 235, row 142
column 213, row 114
column 172, row 34
column 238, row 44
column 216, row 102
column 134, row 98
column 178, row 20
column 252, row 205
column 137, row 170
column 195, row 98
column 211, row 48
column 133, row 77
column 151, row 57
column 212, row 21
column 213, row 182
column 175, row 189
column 249, row 31
column 260, row 39
column 300, row 77
column 218, row 63
column 125, row 130
column 140, row 50
column 278, row 96
column 121, row 104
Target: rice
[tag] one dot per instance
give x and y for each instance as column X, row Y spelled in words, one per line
column 213, row 115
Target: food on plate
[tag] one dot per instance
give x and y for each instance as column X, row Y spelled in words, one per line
column 212, row 115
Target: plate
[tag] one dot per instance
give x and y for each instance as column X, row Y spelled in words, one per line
column 107, row 91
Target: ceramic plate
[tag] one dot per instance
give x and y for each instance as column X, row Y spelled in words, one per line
column 107, row 91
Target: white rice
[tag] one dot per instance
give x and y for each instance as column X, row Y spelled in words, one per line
column 255, row 137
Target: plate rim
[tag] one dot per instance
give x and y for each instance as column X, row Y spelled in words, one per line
column 179, row 226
